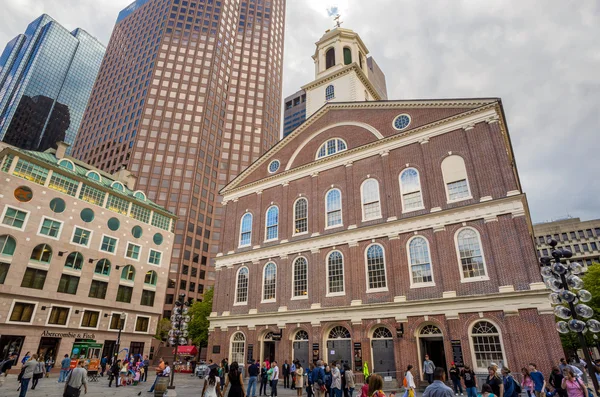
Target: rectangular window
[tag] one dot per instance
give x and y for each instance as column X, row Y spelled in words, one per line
column 556, row 237
column 63, row 184
column 22, row 312
column 458, row 190
column 14, row 218
column 564, row 237
column 140, row 213
column 597, row 231
column 81, row 236
column 154, row 257
column 577, row 249
column 7, row 162
column 124, row 294
column 58, row 315
column 545, row 252
column 3, row 271
column 133, row 251
column 585, row 247
column 34, row 278
column 541, row 240
column 117, row 204
column 141, row 324
column 109, row 244
column 588, row 232
column 592, row 244
column 92, row 195
column 31, row 172
column 68, row 284
column 50, row 228
column 98, row 289
column 147, row 298
column 90, row 319
column 572, row 235
column 161, row 221
column 115, row 321
column 581, row 234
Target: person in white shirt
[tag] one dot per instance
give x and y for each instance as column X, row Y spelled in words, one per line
column 274, row 378
column 410, row 383
column 167, row 370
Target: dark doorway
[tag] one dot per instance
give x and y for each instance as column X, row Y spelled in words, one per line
column 384, row 362
column 136, row 348
column 301, row 353
column 269, row 351
column 434, row 347
column 109, row 349
column 339, row 350
column 49, row 348
column 10, row 344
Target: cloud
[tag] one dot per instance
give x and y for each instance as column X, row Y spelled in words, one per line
column 540, row 56
column 332, row 11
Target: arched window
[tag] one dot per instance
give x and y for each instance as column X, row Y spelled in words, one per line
column 128, row 273
column 93, row 175
column 410, row 190
column 41, row 253
column 382, row 333
column 269, row 282
column 347, row 56
column 430, row 329
column 241, row 288
column 486, row 345
column 238, row 347
column 376, row 279
column 329, row 92
column 151, row 277
column 68, row 164
column 102, row 267
column 272, row 223
column 140, row 195
column 7, row 245
column 300, row 278
column 335, row 273
column 339, row 332
column 470, row 254
column 333, row 207
column 370, row 199
column 330, row 147
column 455, row 178
column 74, row 261
column 118, row 186
column 301, row 216
column 330, row 58
column 246, row 230
column 301, row 335
column 420, row 262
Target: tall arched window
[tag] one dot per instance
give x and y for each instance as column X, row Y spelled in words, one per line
column 410, row 190
column 347, row 56
column 470, row 255
column 246, row 230
column 376, row 279
column 74, row 261
column 300, row 278
column 455, row 178
column 335, row 273
column 128, row 273
column 486, row 345
column 241, row 288
column 269, row 282
column 238, row 347
column 7, row 245
column 41, row 253
column 333, row 207
column 330, row 58
column 301, row 216
column 272, row 232
column 371, row 207
column 102, row 267
column 329, row 92
column 151, row 277
column 420, row 262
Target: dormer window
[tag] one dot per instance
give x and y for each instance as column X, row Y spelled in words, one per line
column 118, row 186
column 331, row 147
column 68, row 164
column 93, row 175
column 139, row 195
column 330, row 58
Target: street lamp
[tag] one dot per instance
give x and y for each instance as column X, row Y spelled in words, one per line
column 568, row 302
column 179, row 329
column 118, row 344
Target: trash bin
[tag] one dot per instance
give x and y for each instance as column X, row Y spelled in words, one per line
column 161, row 386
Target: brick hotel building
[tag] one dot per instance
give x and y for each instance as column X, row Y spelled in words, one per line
column 381, row 231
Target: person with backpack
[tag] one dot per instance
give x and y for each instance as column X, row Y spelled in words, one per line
column 26, row 357
column 26, row 374
column 539, row 383
column 511, row 387
column 38, row 373
column 409, row 382
column 573, row 384
column 470, row 381
column 77, row 379
column 309, row 381
column 318, row 379
column 113, row 373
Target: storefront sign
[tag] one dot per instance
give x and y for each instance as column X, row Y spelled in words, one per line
column 79, row 335
column 358, row 356
column 457, row 353
column 315, row 350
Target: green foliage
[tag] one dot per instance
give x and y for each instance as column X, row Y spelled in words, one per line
column 200, row 312
column 162, row 329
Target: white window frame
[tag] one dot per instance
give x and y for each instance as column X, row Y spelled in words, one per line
column 87, row 174
column 235, row 298
column 412, row 283
column 118, row 183
column 6, row 207
column 68, row 316
column 135, row 324
column 362, row 200
column 472, row 347
column 381, row 289
column 73, row 236
column 267, row 224
column 232, row 341
column 327, row 210
column 262, row 294
column 404, row 210
column 240, row 245
column 130, row 257
column 161, row 257
column 301, row 297
column 328, row 292
column 102, row 240
column 12, row 306
column 446, row 181
column 294, row 233
column 108, row 328
column 470, row 279
column 336, row 148
column 83, row 310
column 60, row 229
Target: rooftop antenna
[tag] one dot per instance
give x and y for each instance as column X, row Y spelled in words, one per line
column 338, row 23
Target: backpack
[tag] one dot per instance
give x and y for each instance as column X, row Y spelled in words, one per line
column 517, row 386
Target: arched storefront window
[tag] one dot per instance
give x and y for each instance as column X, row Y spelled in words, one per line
column 486, row 345
column 238, row 347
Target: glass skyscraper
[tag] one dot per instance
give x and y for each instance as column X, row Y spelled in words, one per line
column 46, row 77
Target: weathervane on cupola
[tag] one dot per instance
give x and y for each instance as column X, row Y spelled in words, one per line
column 338, row 23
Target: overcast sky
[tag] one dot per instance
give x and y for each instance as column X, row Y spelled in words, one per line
column 541, row 57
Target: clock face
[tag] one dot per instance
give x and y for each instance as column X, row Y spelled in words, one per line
column 23, row 194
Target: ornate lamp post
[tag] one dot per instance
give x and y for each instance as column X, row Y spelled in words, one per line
column 568, row 298
column 118, row 344
column 179, row 329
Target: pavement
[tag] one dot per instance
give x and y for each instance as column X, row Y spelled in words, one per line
column 185, row 386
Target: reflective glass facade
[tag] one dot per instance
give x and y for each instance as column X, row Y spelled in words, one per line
column 46, row 77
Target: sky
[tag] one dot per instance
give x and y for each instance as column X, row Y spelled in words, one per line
column 542, row 57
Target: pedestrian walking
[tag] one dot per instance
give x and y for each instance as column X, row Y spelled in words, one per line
column 495, row 381
column 318, row 379
column 113, row 373
column 65, row 365
column 26, row 357
column 210, row 388
column 38, row 373
column 470, row 381
column 274, row 378
column 573, row 384
column 510, row 385
column 486, row 391
column 438, row 388
column 539, row 383
column 103, row 364
column 77, row 379
column 264, row 378
column 146, row 367
column 409, row 382
column 309, row 380
column 234, row 378
column 376, row 386
column 285, row 373
column 336, row 380
column 555, row 382
column 49, row 365
column 253, row 372
column 428, row 369
column 350, row 380
column 327, row 381
column 455, row 378
column 27, row 374
column 526, row 383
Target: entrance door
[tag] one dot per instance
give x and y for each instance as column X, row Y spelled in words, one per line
column 431, row 342
column 301, row 352
column 136, row 348
column 384, row 362
column 48, row 348
column 109, row 349
column 339, row 350
column 269, row 351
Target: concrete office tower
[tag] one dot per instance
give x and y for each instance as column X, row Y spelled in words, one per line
column 46, row 77
column 188, row 95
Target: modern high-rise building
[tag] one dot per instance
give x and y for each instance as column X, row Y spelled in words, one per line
column 294, row 112
column 582, row 238
column 46, row 77
column 188, row 96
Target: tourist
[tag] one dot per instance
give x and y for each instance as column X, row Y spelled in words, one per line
column 159, row 372
column 234, row 378
column 146, row 364
column 298, row 378
column 470, row 381
column 539, row 383
column 336, row 380
column 113, row 373
column 26, row 357
column 318, row 379
column 222, row 373
column 77, row 378
column 293, row 369
column 573, row 384
column 409, row 382
column 309, row 380
column 364, row 390
column 285, row 372
column 495, row 381
column 6, row 365
column 65, row 365
column 327, row 381
column 455, row 377
column 49, row 365
column 486, row 391
column 253, row 372
column 555, row 381
column 376, row 386
column 38, row 372
column 510, row 389
column 210, row 388
column 428, row 369
column 350, row 380
column 563, row 364
column 103, row 364
column 27, row 373
column 264, row 378
column 526, row 383
column 274, row 378
column 438, row 387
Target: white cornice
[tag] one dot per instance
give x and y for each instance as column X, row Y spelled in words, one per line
column 353, row 67
column 437, row 220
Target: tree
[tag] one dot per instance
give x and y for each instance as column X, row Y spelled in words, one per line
column 162, row 329
column 200, row 312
